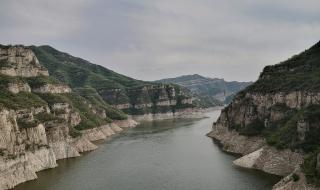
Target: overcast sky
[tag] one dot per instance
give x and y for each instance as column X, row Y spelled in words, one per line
column 153, row 39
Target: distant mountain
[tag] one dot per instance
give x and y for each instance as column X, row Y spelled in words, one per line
column 208, row 87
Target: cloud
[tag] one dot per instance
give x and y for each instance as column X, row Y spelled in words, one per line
column 27, row 20
column 152, row 39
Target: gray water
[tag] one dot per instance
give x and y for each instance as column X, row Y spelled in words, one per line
column 162, row 155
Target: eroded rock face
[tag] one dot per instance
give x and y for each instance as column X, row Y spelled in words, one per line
column 82, row 144
column 289, row 183
column 268, row 108
column 271, row 160
column 23, row 151
column 129, row 123
column 65, row 112
column 18, row 87
column 106, row 131
column 163, row 98
column 52, row 89
column 232, row 142
column 245, row 109
column 178, row 114
column 20, row 61
column 59, row 140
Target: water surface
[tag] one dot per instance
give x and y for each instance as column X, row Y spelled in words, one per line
column 162, row 155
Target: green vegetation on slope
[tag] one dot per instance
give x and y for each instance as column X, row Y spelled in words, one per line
column 95, row 99
column 36, row 82
column 21, row 100
column 77, row 72
column 299, row 73
column 110, row 88
column 79, row 104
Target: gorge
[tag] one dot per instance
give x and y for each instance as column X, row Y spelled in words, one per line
column 55, row 106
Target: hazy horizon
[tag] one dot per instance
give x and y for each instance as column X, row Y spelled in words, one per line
column 152, row 40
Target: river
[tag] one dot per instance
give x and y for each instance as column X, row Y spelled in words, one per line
column 160, row 155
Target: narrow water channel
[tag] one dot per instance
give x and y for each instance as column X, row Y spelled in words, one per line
column 161, row 155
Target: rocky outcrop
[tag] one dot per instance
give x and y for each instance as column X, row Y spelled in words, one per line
column 256, row 154
column 254, row 149
column 249, row 107
column 149, row 99
column 15, row 88
column 20, row 61
column 296, row 180
column 23, row 151
column 24, row 167
column 82, row 144
column 129, row 123
column 64, row 112
column 52, row 88
column 178, row 114
column 60, row 141
column 232, row 142
column 106, row 131
column 271, row 160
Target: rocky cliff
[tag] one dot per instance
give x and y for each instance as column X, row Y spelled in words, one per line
column 274, row 122
column 43, row 120
column 19, row 61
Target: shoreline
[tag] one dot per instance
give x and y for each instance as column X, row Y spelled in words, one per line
column 189, row 113
column 263, row 158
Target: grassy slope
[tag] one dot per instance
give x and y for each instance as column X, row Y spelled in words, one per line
column 106, row 86
column 79, row 73
column 301, row 72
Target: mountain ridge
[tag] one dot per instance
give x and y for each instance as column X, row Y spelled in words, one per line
column 132, row 96
column 208, row 87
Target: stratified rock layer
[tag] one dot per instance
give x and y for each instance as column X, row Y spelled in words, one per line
column 20, row 61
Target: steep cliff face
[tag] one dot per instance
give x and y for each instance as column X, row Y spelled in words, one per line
column 24, row 151
column 42, row 120
column 280, row 110
column 132, row 96
column 20, row 61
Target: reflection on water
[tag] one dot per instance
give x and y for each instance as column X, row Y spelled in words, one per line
column 161, row 155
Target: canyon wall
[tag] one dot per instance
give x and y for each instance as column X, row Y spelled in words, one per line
column 274, row 123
